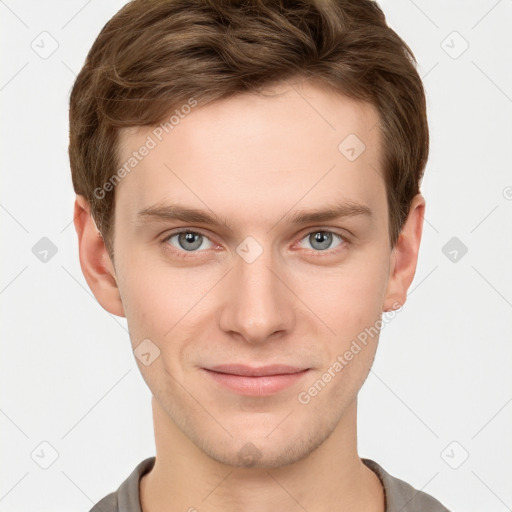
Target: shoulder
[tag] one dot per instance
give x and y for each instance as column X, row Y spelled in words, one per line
column 401, row 496
column 127, row 497
column 107, row 504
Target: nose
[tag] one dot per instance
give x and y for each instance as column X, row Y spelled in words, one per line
column 257, row 305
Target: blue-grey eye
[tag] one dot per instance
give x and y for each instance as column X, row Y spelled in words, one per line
column 189, row 240
column 321, row 240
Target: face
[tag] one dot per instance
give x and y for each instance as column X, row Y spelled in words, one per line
column 261, row 282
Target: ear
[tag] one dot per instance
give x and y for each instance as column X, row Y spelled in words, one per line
column 95, row 261
column 404, row 256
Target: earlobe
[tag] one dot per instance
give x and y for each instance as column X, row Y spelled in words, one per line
column 404, row 256
column 95, row 261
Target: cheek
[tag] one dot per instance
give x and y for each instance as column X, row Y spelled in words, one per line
column 348, row 297
column 160, row 300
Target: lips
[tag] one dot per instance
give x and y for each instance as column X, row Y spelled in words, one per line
column 256, row 381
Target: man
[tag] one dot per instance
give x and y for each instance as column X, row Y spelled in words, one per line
column 247, row 177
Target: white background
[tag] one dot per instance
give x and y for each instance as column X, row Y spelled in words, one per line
column 441, row 386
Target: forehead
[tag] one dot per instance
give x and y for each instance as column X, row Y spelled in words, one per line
column 293, row 144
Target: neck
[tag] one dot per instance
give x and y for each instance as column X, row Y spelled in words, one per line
column 332, row 477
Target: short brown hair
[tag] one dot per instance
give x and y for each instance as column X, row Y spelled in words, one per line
column 154, row 55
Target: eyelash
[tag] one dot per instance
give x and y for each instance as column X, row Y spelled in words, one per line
column 189, row 254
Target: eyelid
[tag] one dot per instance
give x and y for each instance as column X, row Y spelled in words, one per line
column 178, row 231
column 326, row 229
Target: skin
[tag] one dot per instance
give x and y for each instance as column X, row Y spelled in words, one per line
column 253, row 159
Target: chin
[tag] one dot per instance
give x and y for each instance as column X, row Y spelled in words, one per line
column 264, row 451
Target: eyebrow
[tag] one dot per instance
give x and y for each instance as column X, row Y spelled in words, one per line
column 173, row 212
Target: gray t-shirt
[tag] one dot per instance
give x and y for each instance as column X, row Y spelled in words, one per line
column 400, row 496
